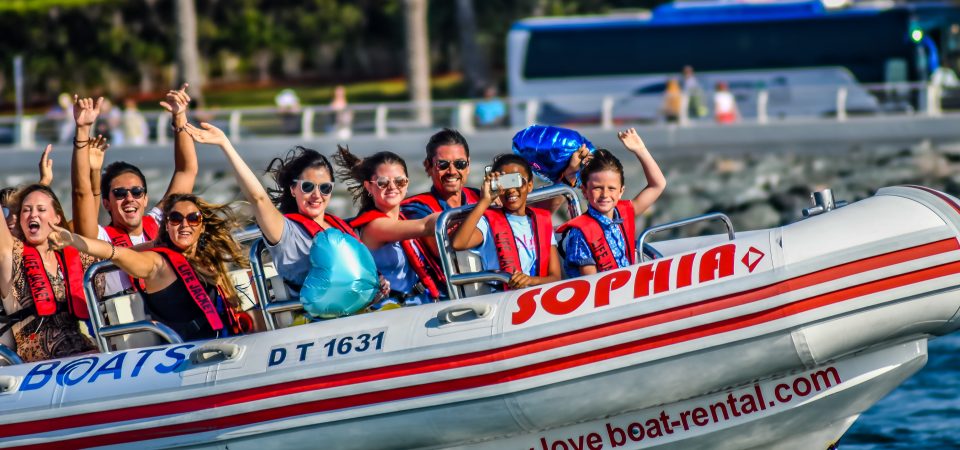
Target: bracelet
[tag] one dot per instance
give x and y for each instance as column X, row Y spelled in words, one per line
column 113, row 251
column 177, row 129
column 81, row 144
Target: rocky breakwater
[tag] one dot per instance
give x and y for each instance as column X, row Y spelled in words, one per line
column 763, row 190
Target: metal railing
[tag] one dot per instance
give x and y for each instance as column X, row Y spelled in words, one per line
column 759, row 105
column 648, row 251
column 269, row 307
column 447, row 254
column 101, row 331
column 8, row 357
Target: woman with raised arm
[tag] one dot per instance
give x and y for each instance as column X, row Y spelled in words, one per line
column 379, row 185
column 187, row 286
column 297, row 210
column 42, row 285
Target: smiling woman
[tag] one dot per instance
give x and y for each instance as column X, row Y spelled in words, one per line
column 186, row 283
column 42, row 287
column 379, row 184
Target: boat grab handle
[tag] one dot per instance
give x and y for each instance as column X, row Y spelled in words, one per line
column 642, row 241
column 463, row 313
column 7, row 382
column 216, row 352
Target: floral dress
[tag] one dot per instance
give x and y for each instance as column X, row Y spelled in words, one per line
column 47, row 337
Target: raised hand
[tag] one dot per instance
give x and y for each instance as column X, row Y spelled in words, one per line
column 207, row 134
column 86, row 110
column 177, row 101
column 98, row 148
column 46, row 166
column 577, row 160
column 631, row 140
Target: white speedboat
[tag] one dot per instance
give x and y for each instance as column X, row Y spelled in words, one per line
column 777, row 337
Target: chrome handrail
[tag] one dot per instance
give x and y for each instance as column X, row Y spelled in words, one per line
column 447, row 254
column 268, row 308
column 100, row 331
column 642, row 240
column 9, row 357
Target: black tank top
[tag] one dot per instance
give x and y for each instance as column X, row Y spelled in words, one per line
column 174, row 307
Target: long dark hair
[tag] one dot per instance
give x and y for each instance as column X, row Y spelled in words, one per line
column 216, row 246
column 285, row 170
column 601, row 160
column 357, row 170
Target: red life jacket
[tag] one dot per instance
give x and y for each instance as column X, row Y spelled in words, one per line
column 120, row 238
column 312, row 227
column 470, row 196
column 42, row 292
column 599, row 247
column 425, row 268
column 189, row 277
column 506, row 244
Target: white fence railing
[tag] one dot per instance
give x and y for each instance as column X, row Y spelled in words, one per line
column 760, row 105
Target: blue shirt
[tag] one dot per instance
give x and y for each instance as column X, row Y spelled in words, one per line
column 576, row 251
column 417, row 210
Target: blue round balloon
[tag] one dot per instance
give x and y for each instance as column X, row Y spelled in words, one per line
column 548, row 149
column 342, row 279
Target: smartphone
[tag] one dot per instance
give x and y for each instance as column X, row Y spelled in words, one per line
column 508, row 181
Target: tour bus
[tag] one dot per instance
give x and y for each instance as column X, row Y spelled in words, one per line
column 799, row 52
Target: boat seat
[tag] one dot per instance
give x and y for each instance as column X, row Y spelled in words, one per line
column 127, row 308
column 468, row 262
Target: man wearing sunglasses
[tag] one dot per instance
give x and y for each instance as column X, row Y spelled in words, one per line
column 448, row 165
column 122, row 191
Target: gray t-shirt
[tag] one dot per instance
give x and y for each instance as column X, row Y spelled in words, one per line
column 291, row 255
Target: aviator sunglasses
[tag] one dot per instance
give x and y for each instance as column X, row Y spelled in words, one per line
column 400, row 182
column 308, row 186
column 193, row 219
column 136, row 192
column 459, row 164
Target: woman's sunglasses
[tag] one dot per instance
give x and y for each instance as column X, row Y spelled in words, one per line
column 400, row 182
column 459, row 164
column 136, row 192
column 308, row 186
column 193, row 219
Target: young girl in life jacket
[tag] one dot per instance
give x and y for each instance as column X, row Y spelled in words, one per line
column 516, row 238
column 187, row 286
column 605, row 237
column 379, row 184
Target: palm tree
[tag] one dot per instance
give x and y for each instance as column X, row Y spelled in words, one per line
column 474, row 64
column 418, row 58
column 188, row 56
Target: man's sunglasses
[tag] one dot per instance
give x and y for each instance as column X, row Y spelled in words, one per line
column 400, row 182
column 193, row 219
column 136, row 192
column 308, row 186
column 459, row 164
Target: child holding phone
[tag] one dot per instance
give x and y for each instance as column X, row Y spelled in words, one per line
column 605, row 237
column 516, row 238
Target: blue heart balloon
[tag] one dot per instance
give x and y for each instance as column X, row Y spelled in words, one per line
column 548, row 149
column 342, row 278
